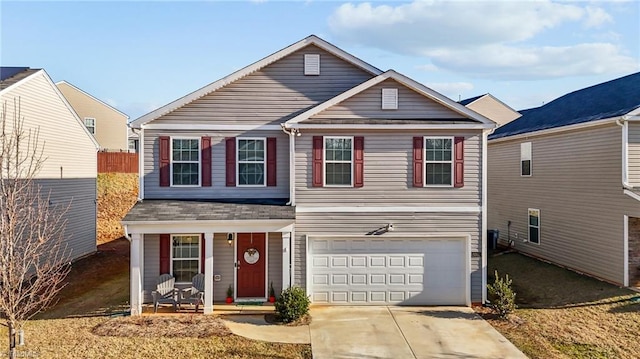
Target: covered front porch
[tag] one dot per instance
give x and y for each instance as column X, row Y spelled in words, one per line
column 242, row 246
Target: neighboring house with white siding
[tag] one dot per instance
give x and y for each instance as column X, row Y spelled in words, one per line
column 107, row 124
column 490, row 107
column 70, row 166
column 564, row 181
column 313, row 168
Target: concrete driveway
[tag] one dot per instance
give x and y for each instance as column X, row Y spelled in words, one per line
column 405, row 332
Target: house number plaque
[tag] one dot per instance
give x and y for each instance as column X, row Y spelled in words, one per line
column 251, row 256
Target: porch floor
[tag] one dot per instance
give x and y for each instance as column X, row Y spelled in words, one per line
column 218, row 309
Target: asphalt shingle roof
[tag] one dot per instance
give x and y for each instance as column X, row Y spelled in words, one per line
column 202, row 210
column 606, row 100
column 11, row 75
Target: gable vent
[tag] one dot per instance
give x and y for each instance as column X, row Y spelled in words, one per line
column 312, row 64
column 389, row 99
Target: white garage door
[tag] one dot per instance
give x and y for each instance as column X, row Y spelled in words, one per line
column 405, row 271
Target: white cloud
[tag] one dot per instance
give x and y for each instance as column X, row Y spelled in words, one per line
column 483, row 38
column 451, row 89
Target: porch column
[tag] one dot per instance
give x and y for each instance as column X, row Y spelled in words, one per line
column 137, row 268
column 286, row 260
column 208, row 273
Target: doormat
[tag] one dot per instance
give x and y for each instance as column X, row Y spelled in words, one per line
column 249, row 303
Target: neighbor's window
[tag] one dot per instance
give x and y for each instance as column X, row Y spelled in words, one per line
column 185, row 257
column 534, row 225
column 251, row 161
column 438, row 161
column 90, row 124
column 185, row 161
column 525, row 159
column 338, row 161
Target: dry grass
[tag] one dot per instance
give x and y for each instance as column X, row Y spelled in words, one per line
column 183, row 326
column 566, row 315
column 117, row 193
column 273, row 318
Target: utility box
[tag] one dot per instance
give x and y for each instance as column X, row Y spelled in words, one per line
column 492, row 238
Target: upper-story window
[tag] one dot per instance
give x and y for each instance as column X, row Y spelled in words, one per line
column 185, row 256
column 525, row 159
column 338, row 161
column 90, row 124
column 251, row 161
column 185, row 162
column 439, row 161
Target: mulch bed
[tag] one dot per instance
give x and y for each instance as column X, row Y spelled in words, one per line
column 187, row 326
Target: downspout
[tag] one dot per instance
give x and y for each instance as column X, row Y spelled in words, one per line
column 292, row 163
column 141, row 164
column 485, row 170
column 622, row 122
column 126, row 232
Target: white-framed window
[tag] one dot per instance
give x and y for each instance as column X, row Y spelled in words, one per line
column 251, row 161
column 90, row 124
column 185, row 256
column 389, row 99
column 438, row 158
column 312, row 64
column 185, row 161
column 534, row 225
column 338, row 161
column 525, row 159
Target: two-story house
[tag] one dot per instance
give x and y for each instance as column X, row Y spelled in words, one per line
column 313, row 168
column 564, row 181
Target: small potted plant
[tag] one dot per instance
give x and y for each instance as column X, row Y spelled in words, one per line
column 272, row 294
column 229, row 294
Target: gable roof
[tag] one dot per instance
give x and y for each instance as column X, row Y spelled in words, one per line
column 470, row 100
column 606, row 100
column 310, row 40
column 92, row 97
column 390, row 74
column 13, row 75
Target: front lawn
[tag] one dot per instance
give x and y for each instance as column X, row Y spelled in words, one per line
column 80, row 325
column 563, row 314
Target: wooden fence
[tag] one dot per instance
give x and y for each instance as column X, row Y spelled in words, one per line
column 123, row 162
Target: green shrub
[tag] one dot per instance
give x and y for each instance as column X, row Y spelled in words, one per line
column 292, row 305
column 503, row 298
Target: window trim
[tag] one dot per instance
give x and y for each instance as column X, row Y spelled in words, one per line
column 264, row 162
column 171, row 236
column 324, row 161
column 171, row 138
column 451, row 162
column 524, row 159
column 529, row 226
column 84, row 121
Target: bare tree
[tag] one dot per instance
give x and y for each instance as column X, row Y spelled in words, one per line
column 33, row 257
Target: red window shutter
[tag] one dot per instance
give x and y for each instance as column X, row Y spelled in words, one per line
column 202, row 244
column 317, row 169
column 205, row 158
column 458, row 163
column 271, row 161
column 165, row 253
column 418, row 162
column 231, row 161
column 358, row 162
column 165, row 160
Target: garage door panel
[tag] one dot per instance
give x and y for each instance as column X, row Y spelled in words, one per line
column 378, row 271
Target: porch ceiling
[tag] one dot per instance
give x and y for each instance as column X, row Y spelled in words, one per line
column 164, row 210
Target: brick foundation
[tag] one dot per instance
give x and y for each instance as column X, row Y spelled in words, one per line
column 634, row 252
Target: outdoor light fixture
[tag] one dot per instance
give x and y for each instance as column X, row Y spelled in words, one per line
column 230, row 238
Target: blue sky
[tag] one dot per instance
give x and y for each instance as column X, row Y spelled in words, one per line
column 139, row 56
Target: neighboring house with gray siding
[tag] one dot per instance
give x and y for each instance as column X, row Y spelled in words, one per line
column 313, row 168
column 107, row 124
column 564, row 181
column 69, row 171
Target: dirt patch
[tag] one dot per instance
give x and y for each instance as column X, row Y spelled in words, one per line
column 117, row 193
column 273, row 318
column 176, row 326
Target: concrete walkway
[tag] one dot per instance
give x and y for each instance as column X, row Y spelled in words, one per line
column 255, row 327
column 405, row 332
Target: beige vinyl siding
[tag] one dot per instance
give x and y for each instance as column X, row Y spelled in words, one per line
column 272, row 94
column 414, row 223
column 634, row 154
column 219, row 190
column 223, row 265
column 275, row 262
column 151, row 270
column 494, row 110
column 368, row 104
column 111, row 125
column 576, row 185
column 388, row 173
column 67, row 147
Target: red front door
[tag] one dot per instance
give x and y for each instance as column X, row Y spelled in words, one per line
column 251, row 265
